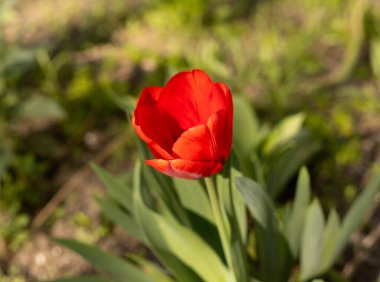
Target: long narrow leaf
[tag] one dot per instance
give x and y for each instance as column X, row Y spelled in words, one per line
column 120, row 217
column 288, row 128
column 119, row 268
column 312, row 241
column 356, row 214
column 194, row 197
column 273, row 250
column 294, row 225
column 115, row 188
column 151, row 268
column 182, row 272
column 330, row 239
column 183, row 243
column 234, row 210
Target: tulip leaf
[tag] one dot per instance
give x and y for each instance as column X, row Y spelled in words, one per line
column 178, row 268
column 330, row 239
column 245, row 135
column 164, row 193
column 194, row 197
column 272, row 248
column 87, row 278
column 115, row 188
column 293, row 227
column 115, row 266
column 258, row 202
column 285, row 165
column 151, row 268
column 246, row 125
column 234, row 213
column 168, row 235
column 287, row 129
column 356, row 214
column 312, row 240
column 120, row 217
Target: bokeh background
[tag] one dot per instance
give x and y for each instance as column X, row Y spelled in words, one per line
column 69, row 68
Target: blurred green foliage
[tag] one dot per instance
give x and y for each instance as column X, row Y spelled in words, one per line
column 60, row 74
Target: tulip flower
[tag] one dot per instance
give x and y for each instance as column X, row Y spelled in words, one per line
column 187, row 125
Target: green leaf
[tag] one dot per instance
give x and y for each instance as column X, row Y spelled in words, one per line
column 285, row 165
column 120, row 217
column 245, row 125
column 272, row 248
column 258, row 202
column 115, row 188
column 312, row 241
column 151, row 268
column 119, row 268
column 179, row 269
column 87, row 278
column 294, row 225
column 164, row 193
column 246, row 134
column 288, row 128
column 169, row 235
column 356, row 214
column 194, row 197
column 235, row 218
column 330, row 239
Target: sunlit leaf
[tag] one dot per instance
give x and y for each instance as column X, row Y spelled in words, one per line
column 234, row 212
column 168, row 235
column 273, row 251
column 294, row 225
column 356, row 214
column 330, row 238
column 120, row 217
column 179, row 269
column 151, row 268
column 312, row 241
column 115, row 188
column 194, row 197
column 288, row 128
column 119, row 268
column 285, row 165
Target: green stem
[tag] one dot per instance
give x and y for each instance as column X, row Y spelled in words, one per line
column 219, row 220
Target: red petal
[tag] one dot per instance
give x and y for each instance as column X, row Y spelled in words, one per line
column 149, row 96
column 185, row 169
column 190, row 98
column 216, row 127
column 196, row 144
column 156, row 149
column 228, row 119
column 156, row 128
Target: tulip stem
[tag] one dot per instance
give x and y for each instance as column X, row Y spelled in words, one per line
column 219, row 220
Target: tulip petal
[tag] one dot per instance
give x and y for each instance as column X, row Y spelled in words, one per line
column 196, row 144
column 216, row 126
column 155, row 127
column 228, row 119
column 149, row 96
column 184, row 168
column 156, row 149
column 190, row 98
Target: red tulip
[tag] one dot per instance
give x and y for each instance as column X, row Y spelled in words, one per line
column 187, row 125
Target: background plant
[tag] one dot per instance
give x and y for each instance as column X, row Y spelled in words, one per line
column 284, row 57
